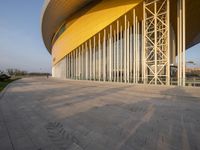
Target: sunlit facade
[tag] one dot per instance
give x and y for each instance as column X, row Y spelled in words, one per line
column 129, row 41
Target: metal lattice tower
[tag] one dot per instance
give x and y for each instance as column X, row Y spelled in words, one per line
column 156, row 42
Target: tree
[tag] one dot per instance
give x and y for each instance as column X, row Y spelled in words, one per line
column 11, row 71
column 1, row 72
column 16, row 72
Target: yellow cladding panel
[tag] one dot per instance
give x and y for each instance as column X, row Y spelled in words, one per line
column 85, row 24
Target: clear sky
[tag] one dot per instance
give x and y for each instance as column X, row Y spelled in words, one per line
column 21, row 44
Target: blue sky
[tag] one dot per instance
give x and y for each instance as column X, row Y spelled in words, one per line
column 21, row 44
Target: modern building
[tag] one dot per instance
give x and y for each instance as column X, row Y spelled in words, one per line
column 130, row 41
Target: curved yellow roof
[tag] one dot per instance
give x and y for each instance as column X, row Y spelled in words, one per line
column 54, row 13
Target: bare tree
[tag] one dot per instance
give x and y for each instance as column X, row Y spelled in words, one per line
column 16, row 72
column 1, row 72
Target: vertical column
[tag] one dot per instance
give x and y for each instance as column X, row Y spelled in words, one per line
column 155, row 44
column 128, row 51
column 110, row 54
column 75, row 63
column 70, row 65
column 131, row 54
column 181, row 41
column 79, row 63
column 90, row 45
column 125, row 48
column 104, row 56
column 134, row 49
column 114, row 57
column 66, row 66
column 86, row 61
column 99, row 56
column 118, row 61
column 168, row 45
column 142, row 53
column 82, row 62
column 137, row 51
column 184, row 41
column 94, row 58
column 121, row 53
column 73, row 55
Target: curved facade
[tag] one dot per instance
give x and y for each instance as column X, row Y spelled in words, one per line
column 133, row 41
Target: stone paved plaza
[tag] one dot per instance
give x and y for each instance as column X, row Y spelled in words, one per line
column 50, row 114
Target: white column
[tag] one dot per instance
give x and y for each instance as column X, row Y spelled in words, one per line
column 184, row 41
column 114, row 56
column 128, row 52
column 90, row 45
column 104, row 56
column 82, row 63
column 79, row 63
column 168, row 46
column 99, row 56
column 142, row 51
column 155, row 44
column 134, row 49
column 179, row 42
column 110, row 54
column 66, row 67
column 121, row 54
column 125, row 48
column 76, row 63
column 131, row 54
column 118, row 61
column 137, row 52
column 94, row 58
column 86, row 61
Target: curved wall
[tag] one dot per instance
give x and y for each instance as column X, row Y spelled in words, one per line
column 87, row 22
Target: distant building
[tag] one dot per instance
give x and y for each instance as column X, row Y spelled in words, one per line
column 130, row 41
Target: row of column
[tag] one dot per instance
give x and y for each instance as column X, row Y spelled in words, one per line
column 114, row 54
column 132, row 50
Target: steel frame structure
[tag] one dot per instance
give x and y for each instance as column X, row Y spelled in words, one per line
column 132, row 50
column 156, row 42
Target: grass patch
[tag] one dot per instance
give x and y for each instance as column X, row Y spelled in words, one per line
column 4, row 83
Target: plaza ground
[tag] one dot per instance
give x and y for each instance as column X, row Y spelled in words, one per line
column 50, row 114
